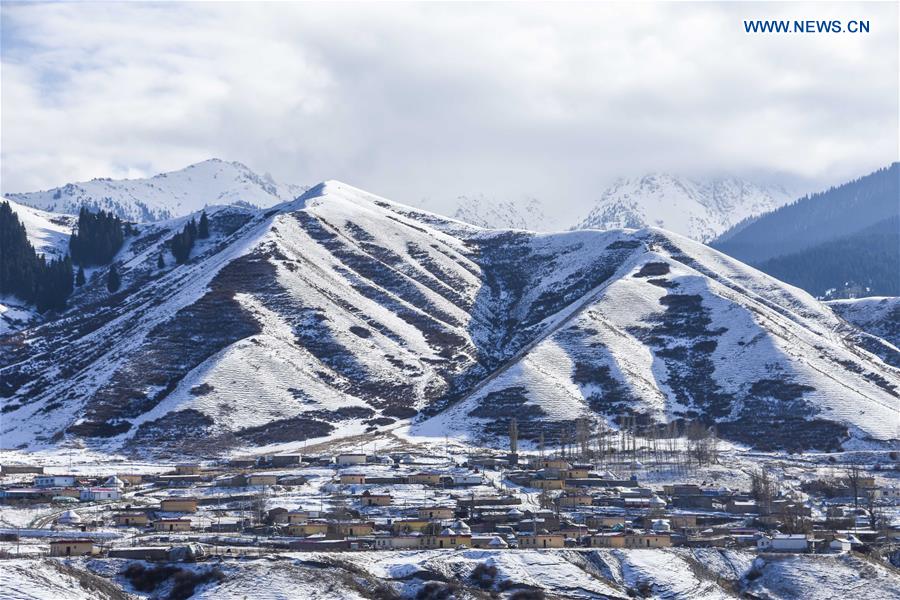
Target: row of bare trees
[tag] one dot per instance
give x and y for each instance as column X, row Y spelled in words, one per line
column 676, row 446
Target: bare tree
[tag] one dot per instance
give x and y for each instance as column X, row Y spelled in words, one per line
column 853, row 477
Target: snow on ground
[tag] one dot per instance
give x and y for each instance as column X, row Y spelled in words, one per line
column 879, row 316
column 821, row 577
column 48, row 232
column 39, row 579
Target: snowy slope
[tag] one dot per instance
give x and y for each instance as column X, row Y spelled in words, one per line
column 166, row 195
column 49, row 235
column 698, row 209
column 877, row 315
column 529, row 214
column 342, row 312
column 48, row 232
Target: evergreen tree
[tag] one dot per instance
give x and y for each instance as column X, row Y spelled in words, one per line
column 79, row 279
column 160, row 263
column 26, row 275
column 97, row 238
column 203, row 227
column 181, row 243
column 112, row 280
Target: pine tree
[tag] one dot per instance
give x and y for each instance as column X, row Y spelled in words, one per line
column 79, row 278
column 203, row 228
column 160, row 263
column 112, row 280
column 97, row 238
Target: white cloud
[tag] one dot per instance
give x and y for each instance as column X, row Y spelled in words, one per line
column 413, row 100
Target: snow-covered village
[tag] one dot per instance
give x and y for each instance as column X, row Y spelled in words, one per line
column 619, row 515
column 449, row 301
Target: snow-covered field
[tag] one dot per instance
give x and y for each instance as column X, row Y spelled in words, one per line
column 594, row 574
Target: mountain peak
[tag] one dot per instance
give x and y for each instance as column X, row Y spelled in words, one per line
column 698, row 208
column 167, row 195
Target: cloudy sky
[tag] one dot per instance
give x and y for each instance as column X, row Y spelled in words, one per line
column 439, row 100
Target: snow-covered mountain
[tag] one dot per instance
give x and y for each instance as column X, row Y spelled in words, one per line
column 528, row 214
column 166, row 195
column 342, row 312
column 698, row 209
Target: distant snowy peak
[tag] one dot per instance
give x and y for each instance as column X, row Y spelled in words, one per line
column 167, row 195
column 699, row 209
column 526, row 214
column 47, row 232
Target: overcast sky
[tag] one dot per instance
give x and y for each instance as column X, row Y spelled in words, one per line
column 440, row 100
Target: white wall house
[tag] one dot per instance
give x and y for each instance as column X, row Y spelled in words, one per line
column 351, row 459
column 100, row 493
column 783, row 543
column 45, row 481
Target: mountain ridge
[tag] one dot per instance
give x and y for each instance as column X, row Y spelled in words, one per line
column 700, row 209
column 165, row 195
column 342, row 312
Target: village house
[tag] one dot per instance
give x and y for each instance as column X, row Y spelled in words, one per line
column 408, row 525
column 369, row 499
column 426, row 478
column 179, row 524
column 385, row 541
column 242, row 463
column 178, row 505
column 130, row 479
column 573, row 500
column 350, row 459
column 351, row 528
column 547, row 484
column 435, row 512
column 447, row 538
column 294, row 516
column 577, row 472
column 631, row 540
column 284, row 460
column 489, row 541
column 187, row 469
column 783, row 543
column 550, row 463
column 352, row 478
column 252, row 479
column 464, row 479
column 541, row 539
column 75, row 547
column 47, row 481
column 131, row 519
column 94, row 494
column 307, row 528
column 605, row 522
column 20, row 469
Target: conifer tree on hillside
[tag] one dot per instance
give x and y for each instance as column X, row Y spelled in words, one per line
column 26, row 275
column 203, row 227
column 97, row 238
column 79, row 278
column 181, row 243
column 160, row 263
column 112, row 280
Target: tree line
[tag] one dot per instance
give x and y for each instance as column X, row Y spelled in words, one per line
column 26, row 274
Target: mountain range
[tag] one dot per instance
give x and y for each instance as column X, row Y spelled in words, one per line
column 166, row 195
column 341, row 312
column 698, row 209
